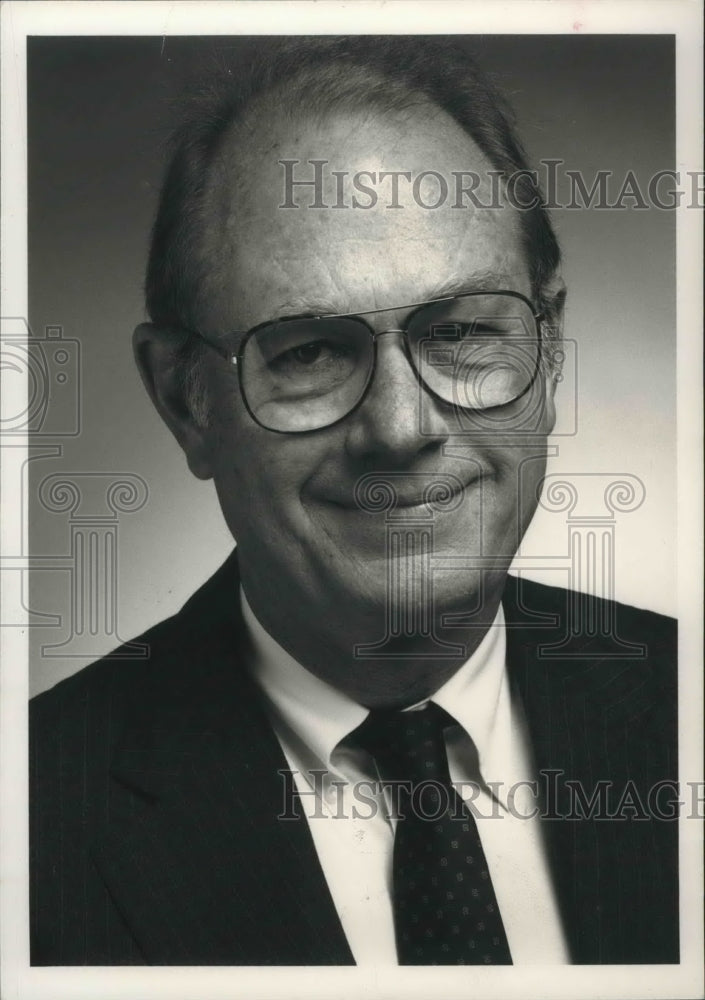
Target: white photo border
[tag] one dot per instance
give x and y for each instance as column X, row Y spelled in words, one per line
column 682, row 18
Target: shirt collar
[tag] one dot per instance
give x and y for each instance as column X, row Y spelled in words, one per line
column 318, row 716
column 477, row 695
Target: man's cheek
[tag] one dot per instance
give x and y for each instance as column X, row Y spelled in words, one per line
column 511, row 496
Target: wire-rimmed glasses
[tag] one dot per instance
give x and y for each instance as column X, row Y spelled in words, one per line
column 476, row 351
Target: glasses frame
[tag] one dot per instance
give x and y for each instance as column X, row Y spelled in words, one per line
column 235, row 359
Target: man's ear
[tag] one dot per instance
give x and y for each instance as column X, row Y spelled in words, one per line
column 157, row 356
column 553, row 304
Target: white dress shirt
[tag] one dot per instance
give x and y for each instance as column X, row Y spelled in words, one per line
column 349, row 816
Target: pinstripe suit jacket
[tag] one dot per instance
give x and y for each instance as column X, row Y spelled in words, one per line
column 154, row 795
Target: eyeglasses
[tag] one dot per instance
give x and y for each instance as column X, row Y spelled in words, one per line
column 477, row 351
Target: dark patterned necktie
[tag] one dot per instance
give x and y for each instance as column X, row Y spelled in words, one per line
column 445, row 909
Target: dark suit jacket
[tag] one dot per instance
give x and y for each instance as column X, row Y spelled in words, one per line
column 155, row 793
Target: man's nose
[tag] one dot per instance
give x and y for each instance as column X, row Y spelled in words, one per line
column 398, row 418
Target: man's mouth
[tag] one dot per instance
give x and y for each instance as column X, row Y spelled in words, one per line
column 384, row 493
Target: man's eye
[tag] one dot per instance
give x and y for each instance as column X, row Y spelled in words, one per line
column 309, row 354
column 306, row 354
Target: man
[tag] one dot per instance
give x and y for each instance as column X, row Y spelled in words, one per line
column 370, row 383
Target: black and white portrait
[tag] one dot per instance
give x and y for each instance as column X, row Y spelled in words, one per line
column 345, row 434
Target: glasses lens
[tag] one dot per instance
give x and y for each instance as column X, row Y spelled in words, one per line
column 477, row 351
column 304, row 374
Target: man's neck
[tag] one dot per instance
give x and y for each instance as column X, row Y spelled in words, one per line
column 399, row 671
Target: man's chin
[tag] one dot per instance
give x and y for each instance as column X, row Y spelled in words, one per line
column 403, row 596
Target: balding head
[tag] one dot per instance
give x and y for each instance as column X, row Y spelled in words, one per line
column 315, row 78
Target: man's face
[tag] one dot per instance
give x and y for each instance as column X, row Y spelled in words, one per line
column 307, row 552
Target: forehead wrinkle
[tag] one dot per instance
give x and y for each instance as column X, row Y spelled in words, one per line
column 508, row 263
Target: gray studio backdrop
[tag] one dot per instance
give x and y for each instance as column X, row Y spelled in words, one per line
column 121, row 534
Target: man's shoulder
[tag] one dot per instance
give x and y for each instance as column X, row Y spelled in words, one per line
column 82, row 719
column 118, row 670
column 165, row 655
column 528, row 598
column 563, row 642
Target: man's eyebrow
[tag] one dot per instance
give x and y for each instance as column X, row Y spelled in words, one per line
column 308, row 307
column 480, row 281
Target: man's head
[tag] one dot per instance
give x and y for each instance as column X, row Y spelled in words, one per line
column 227, row 257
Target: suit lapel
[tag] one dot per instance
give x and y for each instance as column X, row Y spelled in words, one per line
column 193, row 854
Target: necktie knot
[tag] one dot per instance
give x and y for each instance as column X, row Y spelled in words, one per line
column 407, row 746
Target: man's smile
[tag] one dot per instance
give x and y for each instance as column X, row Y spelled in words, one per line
column 387, row 492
